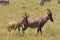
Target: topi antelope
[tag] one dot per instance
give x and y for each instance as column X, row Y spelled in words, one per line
column 38, row 22
column 16, row 24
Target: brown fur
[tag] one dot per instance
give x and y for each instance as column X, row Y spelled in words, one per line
column 15, row 24
column 37, row 22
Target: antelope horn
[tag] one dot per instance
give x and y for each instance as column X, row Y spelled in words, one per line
column 49, row 11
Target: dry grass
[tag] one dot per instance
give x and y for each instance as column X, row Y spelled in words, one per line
column 17, row 8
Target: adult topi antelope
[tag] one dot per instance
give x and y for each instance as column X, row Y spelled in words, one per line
column 37, row 22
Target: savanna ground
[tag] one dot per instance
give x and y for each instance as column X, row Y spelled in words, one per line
column 16, row 9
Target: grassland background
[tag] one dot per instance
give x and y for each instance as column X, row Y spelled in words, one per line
column 16, row 9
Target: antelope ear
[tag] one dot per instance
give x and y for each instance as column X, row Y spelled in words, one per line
column 26, row 15
column 23, row 16
column 49, row 10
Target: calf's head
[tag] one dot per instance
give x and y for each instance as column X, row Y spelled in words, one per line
column 9, row 29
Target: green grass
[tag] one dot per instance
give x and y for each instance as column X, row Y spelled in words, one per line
column 16, row 9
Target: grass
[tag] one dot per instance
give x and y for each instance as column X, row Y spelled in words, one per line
column 16, row 9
